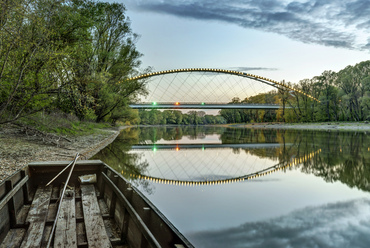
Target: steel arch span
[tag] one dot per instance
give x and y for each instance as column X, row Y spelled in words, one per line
column 265, row 172
column 267, row 81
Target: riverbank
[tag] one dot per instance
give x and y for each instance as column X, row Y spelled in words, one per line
column 19, row 146
column 324, row 126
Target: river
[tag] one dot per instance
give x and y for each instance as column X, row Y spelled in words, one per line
column 240, row 187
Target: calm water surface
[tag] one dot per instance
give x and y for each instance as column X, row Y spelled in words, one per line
column 237, row 187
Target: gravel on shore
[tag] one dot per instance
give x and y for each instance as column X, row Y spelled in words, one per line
column 324, row 126
column 19, row 147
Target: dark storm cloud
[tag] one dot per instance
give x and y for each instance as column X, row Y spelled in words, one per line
column 333, row 23
column 343, row 224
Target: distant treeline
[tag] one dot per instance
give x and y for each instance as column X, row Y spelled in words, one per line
column 343, row 96
column 156, row 117
column 254, row 115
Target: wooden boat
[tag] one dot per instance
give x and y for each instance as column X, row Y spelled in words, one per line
column 107, row 213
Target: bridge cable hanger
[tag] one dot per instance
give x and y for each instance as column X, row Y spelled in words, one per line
column 264, row 80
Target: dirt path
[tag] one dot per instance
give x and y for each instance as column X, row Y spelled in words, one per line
column 18, row 147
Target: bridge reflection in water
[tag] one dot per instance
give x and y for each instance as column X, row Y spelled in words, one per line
column 187, row 156
column 233, row 187
column 177, row 147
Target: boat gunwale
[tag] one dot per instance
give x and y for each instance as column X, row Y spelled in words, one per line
column 26, row 176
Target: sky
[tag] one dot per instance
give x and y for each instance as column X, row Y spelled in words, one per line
column 278, row 39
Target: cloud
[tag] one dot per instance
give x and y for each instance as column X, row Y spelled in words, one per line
column 342, row 224
column 334, row 23
column 253, row 69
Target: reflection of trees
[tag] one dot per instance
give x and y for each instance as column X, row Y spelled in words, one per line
column 154, row 134
column 288, row 143
column 344, row 156
column 118, row 157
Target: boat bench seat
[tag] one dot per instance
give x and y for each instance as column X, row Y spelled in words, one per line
column 34, row 231
column 14, row 238
column 37, row 217
column 94, row 224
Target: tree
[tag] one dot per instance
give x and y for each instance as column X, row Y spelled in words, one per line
column 169, row 116
column 350, row 81
column 74, row 55
column 144, row 117
column 101, row 67
column 178, row 116
column 155, row 117
column 193, row 118
column 365, row 100
column 115, row 54
column 35, row 36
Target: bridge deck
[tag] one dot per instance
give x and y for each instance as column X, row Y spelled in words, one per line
column 204, row 106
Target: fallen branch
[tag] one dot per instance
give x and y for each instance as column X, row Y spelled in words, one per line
column 34, row 131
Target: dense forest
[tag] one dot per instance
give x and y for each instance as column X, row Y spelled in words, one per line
column 68, row 56
column 343, row 96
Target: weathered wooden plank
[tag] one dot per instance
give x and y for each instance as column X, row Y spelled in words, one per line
column 22, row 214
column 95, row 229
column 65, row 232
column 13, row 238
column 12, row 193
column 46, row 236
column 25, row 187
column 52, row 212
column 81, row 234
column 37, row 217
column 134, row 216
column 11, row 205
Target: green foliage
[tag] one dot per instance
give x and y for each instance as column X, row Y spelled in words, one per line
column 117, row 155
column 31, row 44
column 102, row 65
column 343, row 96
column 176, row 117
column 74, row 55
column 61, row 123
column 252, row 115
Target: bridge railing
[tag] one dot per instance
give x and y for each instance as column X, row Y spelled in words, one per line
column 202, row 103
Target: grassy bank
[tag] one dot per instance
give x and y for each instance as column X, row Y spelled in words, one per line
column 62, row 124
column 50, row 137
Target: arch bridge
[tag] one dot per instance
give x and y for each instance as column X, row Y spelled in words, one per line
column 206, row 104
